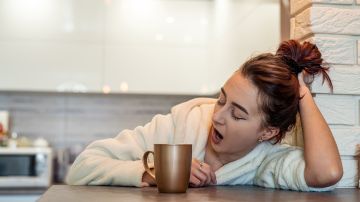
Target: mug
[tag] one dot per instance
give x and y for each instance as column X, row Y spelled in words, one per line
column 172, row 164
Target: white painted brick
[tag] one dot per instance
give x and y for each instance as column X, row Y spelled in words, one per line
column 336, row 20
column 334, row 1
column 314, row 17
column 347, row 139
column 350, row 176
column 336, row 50
column 345, row 79
column 302, row 24
column 358, row 46
column 296, row 5
column 292, row 28
column 337, row 109
column 322, row 19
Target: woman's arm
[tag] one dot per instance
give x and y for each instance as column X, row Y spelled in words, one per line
column 117, row 161
column 323, row 165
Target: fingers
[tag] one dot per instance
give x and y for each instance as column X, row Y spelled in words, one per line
column 201, row 174
column 301, row 79
column 210, row 174
column 213, row 178
column 144, row 184
column 303, row 86
column 198, row 177
column 205, row 170
column 194, row 182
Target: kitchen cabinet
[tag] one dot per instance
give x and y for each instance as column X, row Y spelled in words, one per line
column 51, row 45
column 127, row 46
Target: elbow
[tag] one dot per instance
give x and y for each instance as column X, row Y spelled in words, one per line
column 325, row 179
column 334, row 176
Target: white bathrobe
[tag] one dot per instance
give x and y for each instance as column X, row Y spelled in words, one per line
column 117, row 161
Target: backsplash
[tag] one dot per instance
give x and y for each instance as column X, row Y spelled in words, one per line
column 66, row 119
column 71, row 121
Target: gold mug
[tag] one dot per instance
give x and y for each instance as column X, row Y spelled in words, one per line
column 172, row 167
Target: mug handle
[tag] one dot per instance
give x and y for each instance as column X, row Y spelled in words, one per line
column 145, row 162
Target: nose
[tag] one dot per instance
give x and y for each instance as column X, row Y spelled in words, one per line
column 218, row 116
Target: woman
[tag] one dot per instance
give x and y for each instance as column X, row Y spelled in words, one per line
column 236, row 138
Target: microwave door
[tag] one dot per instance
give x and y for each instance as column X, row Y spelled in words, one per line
column 13, row 165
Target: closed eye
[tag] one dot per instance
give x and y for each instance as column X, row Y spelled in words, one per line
column 234, row 116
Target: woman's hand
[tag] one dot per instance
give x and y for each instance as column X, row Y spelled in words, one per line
column 303, row 89
column 147, row 180
column 201, row 174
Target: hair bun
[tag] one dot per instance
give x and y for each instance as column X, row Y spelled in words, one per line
column 294, row 66
column 306, row 56
column 303, row 57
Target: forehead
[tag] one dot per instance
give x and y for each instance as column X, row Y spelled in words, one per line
column 240, row 90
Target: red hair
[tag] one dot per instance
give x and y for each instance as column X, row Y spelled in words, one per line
column 275, row 76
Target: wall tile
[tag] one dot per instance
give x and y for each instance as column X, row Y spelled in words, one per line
column 330, row 20
column 337, row 109
column 297, row 5
column 347, row 139
column 358, row 47
column 350, row 176
column 336, row 50
column 345, row 80
column 67, row 119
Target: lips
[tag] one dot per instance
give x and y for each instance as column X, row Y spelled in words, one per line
column 216, row 137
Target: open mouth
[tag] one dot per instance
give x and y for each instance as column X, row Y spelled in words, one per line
column 218, row 134
column 217, row 137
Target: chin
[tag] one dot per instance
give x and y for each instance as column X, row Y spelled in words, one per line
column 216, row 147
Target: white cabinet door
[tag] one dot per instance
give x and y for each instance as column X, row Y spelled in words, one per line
column 151, row 46
column 157, row 47
column 183, row 47
column 51, row 45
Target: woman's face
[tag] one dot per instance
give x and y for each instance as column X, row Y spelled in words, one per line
column 236, row 119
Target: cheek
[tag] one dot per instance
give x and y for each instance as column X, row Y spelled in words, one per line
column 246, row 131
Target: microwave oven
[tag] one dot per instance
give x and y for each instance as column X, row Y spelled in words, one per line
column 25, row 167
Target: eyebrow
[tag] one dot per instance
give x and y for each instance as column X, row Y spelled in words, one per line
column 236, row 104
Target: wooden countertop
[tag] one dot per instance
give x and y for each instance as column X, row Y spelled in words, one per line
column 213, row 193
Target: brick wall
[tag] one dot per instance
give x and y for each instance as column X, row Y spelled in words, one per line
column 334, row 25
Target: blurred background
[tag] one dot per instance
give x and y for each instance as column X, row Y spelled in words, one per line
column 74, row 71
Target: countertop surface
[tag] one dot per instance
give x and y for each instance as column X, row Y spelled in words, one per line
column 213, row 193
column 22, row 191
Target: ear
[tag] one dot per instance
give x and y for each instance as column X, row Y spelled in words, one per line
column 269, row 133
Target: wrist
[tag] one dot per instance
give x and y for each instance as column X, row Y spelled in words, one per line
column 303, row 91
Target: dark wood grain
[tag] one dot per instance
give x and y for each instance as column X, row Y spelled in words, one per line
column 215, row 193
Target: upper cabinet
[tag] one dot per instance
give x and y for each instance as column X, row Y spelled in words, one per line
column 51, row 45
column 135, row 46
